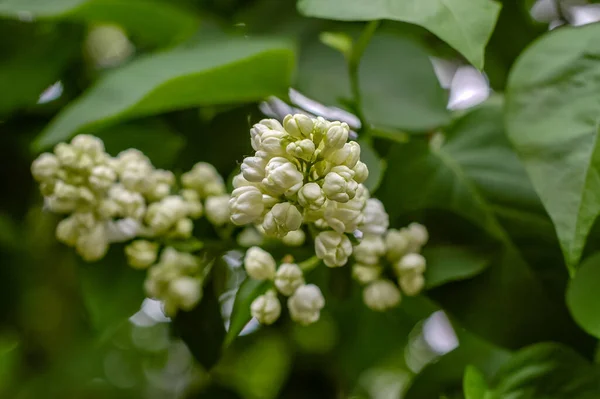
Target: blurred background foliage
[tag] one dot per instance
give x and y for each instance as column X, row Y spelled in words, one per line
column 182, row 80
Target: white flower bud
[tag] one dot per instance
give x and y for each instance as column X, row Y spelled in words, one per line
column 246, row 205
column 336, row 136
column 163, row 215
column 182, row 261
column 182, row 229
column 334, row 248
column 102, row 178
column 311, row 196
column 339, row 184
column 141, row 253
column 253, row 169
column 361, row 172
column 345, row 217
column 419, row 235
column 93, row 244
column 250, row 237
column 320, row 169
column 239, row 181
column 298, row 126
column 266, row 308
column 302, row 149
column 88, row 144
column 67, row 231
column 348, row 155
column 131, row 204
column 259, row 264
column 204, row 178
column 136, row 175
column 294, row 238
column 66, row 155
column 281, row 177
column 217, row 209
column 320, row 129
column 281, row 219
column 184, row 293
column 369, row 250
column 263, row 127
column 412, row 283
column 269, row 201
column 376, row 219
column 45, row 167
column 272, row 143
column 381, row 295
column 306, row 304
column 365, row 274
column 192, row 200
column 410, row 263
column 288, row 278
column 397, row 244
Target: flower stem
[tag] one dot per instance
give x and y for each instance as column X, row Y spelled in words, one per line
column 354, row 61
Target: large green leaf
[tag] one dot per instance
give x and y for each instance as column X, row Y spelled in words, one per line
column 112, row 292
column 398, row 86
column 552, row 115
column 446, row 263
column 471, row 172
column 218, row 72
column 154, row 22
column 582, row 295
column 474, row 385
column 547, row 371
column 466, row 25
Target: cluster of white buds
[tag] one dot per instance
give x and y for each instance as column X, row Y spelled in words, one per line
column 380, row 248
column 176, row 279
column 304, row 171
column 304, row 302
column 115, row 199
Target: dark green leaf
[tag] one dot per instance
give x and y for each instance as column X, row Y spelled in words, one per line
column 470, row 172
column 398, row 86
column 35, row 59
column 202, row 328
column 449, row 263
column 154, row 22
column 582, row 295
column 217, row 72
column 464, row 24
column 240, row 315
column 552, row 120
column 474, row 385
column 154, row 138
column 547, row 371
column 112, row 292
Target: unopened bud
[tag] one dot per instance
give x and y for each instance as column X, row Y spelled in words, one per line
column 381, row 295
column 141, row 253
column 246, row 205
column 217, row 209
column 288, row 278
column 334, row 248
column 298, row 126
column 281, row 219
column 259, row 264
column 412, row 283
column 294, row 238
column 266, row 308
column 306, row 304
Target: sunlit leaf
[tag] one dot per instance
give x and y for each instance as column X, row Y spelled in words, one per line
column 465, row 25
column 217, row 72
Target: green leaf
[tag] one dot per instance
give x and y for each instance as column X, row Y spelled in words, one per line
column 547, row 371
column 582, row 295
column 112, row 292
column 398, row 86
column 154, row 138
column 470, row 172
column 155, row 22
column 449, row 263
column 240, row 315
column 217, row 72
column 202, row 328
column 552, row 120
column 465, row 25
column 32, row 61
column 374, row 162
column 474, row 385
